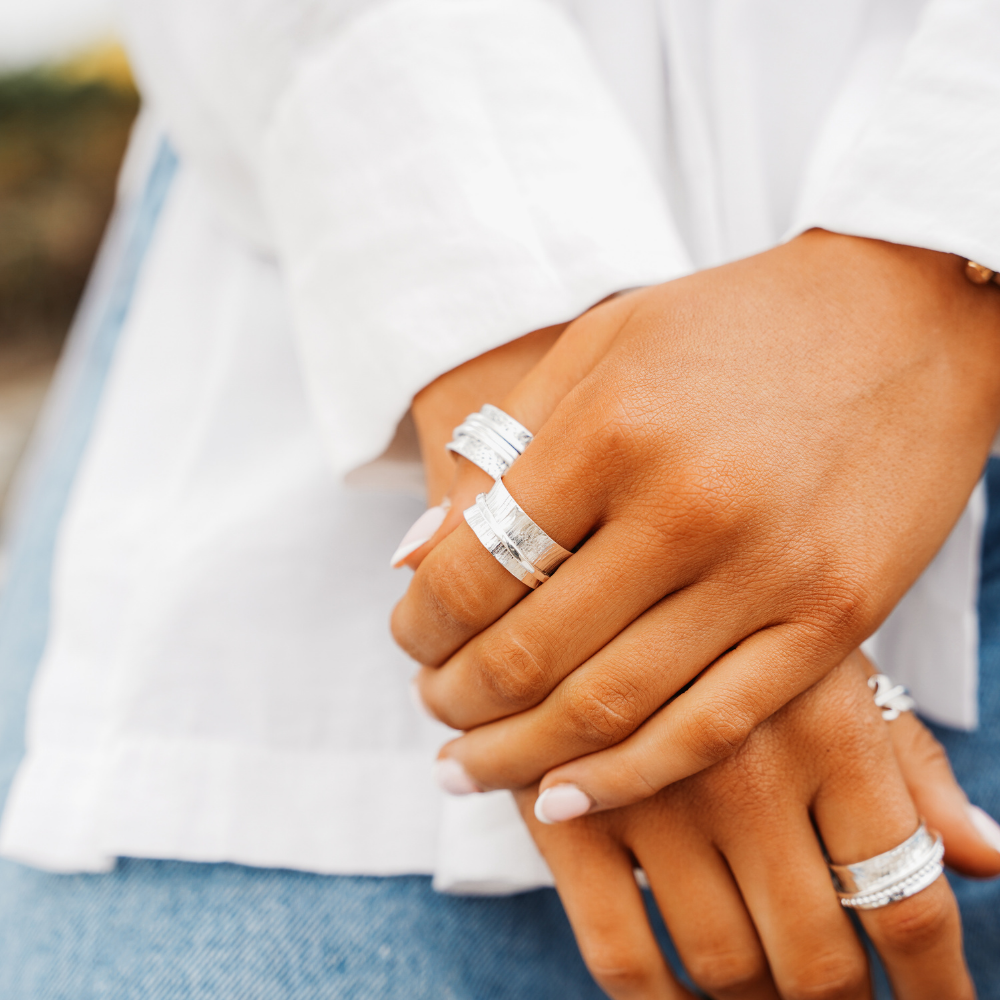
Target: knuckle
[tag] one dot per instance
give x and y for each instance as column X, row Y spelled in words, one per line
column 457, row 598
column 618, row 966
column 912, row 925
column 845, row 605
column 837, row 602
column 412, row 639
column 441, row 707
column 830, row 977
column 715, row 499
column 726, row 972
column 602, row 712
column 442, row 610
column 617, row 432
column 513, row 674
column 716, row 733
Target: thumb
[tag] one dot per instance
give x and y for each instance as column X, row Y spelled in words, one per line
column 971, row 836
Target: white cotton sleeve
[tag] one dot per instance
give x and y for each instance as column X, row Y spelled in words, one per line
column 441, row 177
column 925, row 168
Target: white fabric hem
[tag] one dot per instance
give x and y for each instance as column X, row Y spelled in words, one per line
column 218, row 802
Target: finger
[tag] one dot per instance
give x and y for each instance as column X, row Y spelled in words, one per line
column 445, row 606
column 582, row 347
column 778, row 864
column 705, row 724
column 531, row 401
column 598, row 704
column 583, row 457
column 701, row 906
column 971, row 837
column 864, row 809
column 516, row 662
column 596, row 883
column 445, row 402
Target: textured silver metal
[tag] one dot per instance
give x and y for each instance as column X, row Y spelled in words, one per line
column 513, row 538
column 491, row 439
column 894, row 875
column 892, row 698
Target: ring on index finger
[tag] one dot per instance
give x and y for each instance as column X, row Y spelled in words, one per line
column 491, row 439
column 513, row 538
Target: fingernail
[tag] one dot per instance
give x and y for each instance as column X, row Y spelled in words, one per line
column 452, row 778
column 560, row 803
column 986, row 826
column 420, row 532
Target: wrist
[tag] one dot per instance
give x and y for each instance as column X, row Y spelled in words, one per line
column 950, row 321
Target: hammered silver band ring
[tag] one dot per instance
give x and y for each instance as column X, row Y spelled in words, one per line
column 491, row 439
column 513, row 538
column 884, row 879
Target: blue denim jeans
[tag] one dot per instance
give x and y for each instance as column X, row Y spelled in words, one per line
column 170, row 930
column 976, row 759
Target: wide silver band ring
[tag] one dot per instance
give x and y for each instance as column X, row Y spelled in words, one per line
column 892, row 698
column 894, row 875
column 513, row 538
column 491, row 439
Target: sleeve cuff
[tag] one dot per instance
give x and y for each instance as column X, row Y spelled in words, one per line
column 442, row 178
column 923, row 172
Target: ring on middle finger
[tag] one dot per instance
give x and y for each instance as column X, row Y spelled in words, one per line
column 513, row 538
column 491, row 439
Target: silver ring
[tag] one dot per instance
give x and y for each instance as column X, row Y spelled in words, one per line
column 513, row 539
column 491, row 439
column 894, row 875
column 892, row 698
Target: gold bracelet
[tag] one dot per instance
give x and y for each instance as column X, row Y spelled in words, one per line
column 980, row 275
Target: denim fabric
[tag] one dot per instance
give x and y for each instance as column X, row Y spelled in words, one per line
column 166, row 930
column 170, row 930
column 976, row 759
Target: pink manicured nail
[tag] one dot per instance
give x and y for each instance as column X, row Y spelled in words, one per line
column 420, row 532
column 452, row 778
column 560, row 803
column 986, row 826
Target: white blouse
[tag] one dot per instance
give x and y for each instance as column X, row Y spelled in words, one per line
column 371, row 192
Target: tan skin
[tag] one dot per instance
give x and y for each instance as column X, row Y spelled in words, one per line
column 738, row 873
column 729, row 852
column 753, row 464
column 919, row 938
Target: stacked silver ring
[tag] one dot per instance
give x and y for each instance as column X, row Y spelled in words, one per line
column 513, row 539
column 490, row 439
column 894, row 875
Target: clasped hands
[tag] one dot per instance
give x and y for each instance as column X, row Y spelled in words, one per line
column 752, row 465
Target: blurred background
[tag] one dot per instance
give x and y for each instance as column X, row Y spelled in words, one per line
column 67, row 103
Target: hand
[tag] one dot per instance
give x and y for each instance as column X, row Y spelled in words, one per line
column 738, row 873
column 754, row 464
